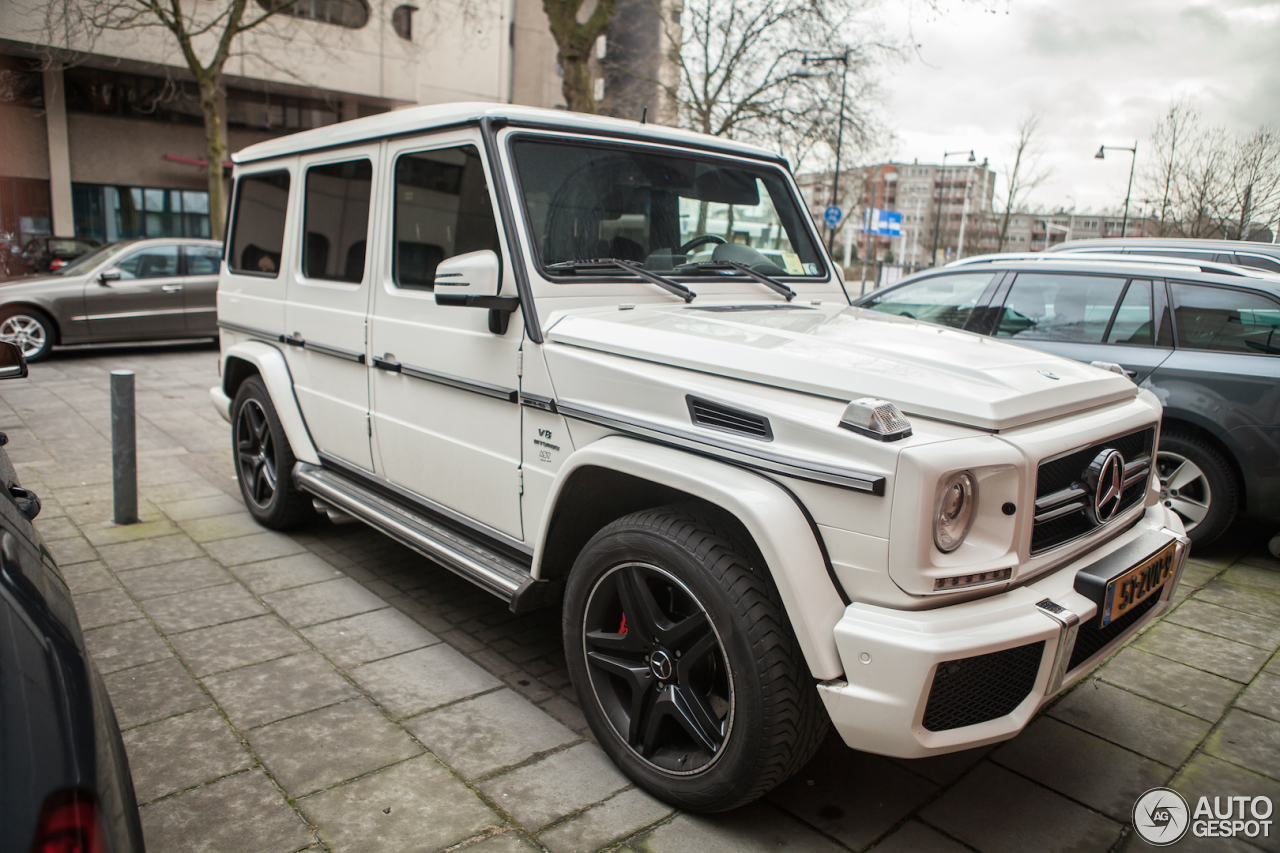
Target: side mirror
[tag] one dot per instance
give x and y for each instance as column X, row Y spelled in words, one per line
column 473, row 280
column 105, row 276
column 13, row 364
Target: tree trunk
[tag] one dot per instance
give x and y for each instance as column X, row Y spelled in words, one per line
column 574, row 43
column 215, row 151
column 579, row 95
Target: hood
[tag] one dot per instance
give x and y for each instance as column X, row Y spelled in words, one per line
column 845, row 353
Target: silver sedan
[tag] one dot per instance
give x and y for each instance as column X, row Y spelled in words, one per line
column 134, row 290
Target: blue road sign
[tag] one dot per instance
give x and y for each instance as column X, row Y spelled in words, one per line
column 884, row 223
column 832, row 215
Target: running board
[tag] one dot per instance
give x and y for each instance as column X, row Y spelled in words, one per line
column 487, row 569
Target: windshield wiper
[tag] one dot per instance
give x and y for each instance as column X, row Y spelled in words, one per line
column 627, row 266
column 714, row 266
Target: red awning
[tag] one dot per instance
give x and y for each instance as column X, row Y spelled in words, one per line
column 191, row 161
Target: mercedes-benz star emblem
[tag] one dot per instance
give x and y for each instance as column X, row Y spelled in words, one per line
column 1105, row 475
column 660, row 663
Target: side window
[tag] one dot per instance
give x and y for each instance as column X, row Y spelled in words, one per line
column 1257, row 262
column 336, row 220
column 154, row 262
column 1055, row 307
column 1132, row 323
column 947, row 300
column 442, row 209
column 1225, row 320
column 257, row 231
column 203, row 260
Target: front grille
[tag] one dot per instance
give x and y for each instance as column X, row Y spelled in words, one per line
column 1063, row 500
column 1091, row 639
column 711, row 415
column 974, row 690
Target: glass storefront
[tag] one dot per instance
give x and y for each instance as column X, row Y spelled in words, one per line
column 110, row 213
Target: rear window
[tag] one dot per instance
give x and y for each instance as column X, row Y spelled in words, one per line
column 1222, row 319
column 258, row 228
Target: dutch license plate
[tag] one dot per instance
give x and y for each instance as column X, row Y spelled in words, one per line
column 1138, row 584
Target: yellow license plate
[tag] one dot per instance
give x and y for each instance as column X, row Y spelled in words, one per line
column 1138, row 584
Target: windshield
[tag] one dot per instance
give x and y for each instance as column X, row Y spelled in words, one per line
column 82, row 265
column 660, row 209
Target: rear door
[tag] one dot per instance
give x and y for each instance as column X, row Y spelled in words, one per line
column 200, row 287
column 145, row 302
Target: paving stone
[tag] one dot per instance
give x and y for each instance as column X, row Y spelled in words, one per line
column 1256, row 576
column 321, row 748
column 105, row 607
column 558, row 785
column 203, row 507
column 1171, row 683
column 1204, row 651
column 252, row 549
column 52, row 529
column 109, row 533
column 172, row 578
column 853, row 797
column 413, row 806
column 152, row 692
column 945, row 769
column 610, row 821
column 913, row 837
column 270, row 691
column 216, row 527
column 1194, row 577
column 240, row 813
column 1249, row 741
column 124, row 645
column 67, row 552
column 1232, row 624
column 1147, row 728
column 236, row 644
column 87, row 577
column 183, row 751
column 149, row 552
column 1206, row 776
column 1084, row 767
column 422, row 679
column 286, row 572
column 369, row 637
column 1247, row 599
column 507, row 842
column 186, row 490
column 1262, row 697
column 104, row 510
column 496, row 730
column 753, row 829
column 1030, row 817
column 323, row 602
column 201, row 608
column 568, row 713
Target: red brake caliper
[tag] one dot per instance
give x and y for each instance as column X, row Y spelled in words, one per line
column 622, row 629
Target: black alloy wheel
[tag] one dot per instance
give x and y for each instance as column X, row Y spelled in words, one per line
column 264, row 460
column 256, row 454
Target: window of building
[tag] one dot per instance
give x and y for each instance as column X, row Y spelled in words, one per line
column 108, row 214
column 257, row 237
column 442, row 209
column 352, row 14
column 24, row 212
column 402, row 21
column 1222, row 319
column 336, row 220
column 21, row 83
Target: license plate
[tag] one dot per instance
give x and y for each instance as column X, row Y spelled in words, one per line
column 1138, row 584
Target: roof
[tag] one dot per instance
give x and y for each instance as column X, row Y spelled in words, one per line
column 422, row 119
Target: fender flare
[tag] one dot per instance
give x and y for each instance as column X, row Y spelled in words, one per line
column 270, row 365
column 770, row 514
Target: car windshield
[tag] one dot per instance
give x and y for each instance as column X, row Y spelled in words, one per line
column 660, row 209
column 83, row 264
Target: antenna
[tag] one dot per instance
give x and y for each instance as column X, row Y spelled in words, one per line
column 644, row 114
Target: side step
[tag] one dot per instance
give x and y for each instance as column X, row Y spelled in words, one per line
column 505, row 578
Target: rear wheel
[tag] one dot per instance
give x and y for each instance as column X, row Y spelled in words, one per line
column 1198, row 483
column 684, row 661
column 30, row 329
column 264, row 460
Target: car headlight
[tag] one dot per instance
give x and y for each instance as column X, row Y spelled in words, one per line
column 954, row 511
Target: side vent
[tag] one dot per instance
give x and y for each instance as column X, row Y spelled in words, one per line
column 711, row 415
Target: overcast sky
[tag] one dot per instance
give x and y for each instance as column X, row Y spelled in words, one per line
column 1097, row 71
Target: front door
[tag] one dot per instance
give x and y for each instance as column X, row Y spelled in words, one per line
column 144, row 302
column 446, row 421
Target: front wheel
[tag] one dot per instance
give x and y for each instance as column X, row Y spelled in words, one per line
column 1198, row 483
column 684, row 662
column 264, row 460
column 30, row 329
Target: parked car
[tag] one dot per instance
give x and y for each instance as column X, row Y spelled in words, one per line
column 63, row 769
column 475, row 328
column 50, row 254
column 1203, row 337
column 133, row 290
column 1263, row 256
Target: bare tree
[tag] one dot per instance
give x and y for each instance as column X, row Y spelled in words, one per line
column 574, row 42
column 1251, row 184
column 1171, row 140
column 1023, row 176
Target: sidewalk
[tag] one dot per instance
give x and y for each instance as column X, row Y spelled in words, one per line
column 333, row 690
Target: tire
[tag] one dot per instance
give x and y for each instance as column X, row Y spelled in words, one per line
column 29, row 328
column 729, row 710
column 264, row 460
column 1198, row 483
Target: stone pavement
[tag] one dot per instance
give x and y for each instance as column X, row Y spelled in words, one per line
column 332, row 690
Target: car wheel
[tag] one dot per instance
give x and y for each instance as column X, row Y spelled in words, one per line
column 264, row 460
column 1198, row 483
column 30, row 329
column 684, row 662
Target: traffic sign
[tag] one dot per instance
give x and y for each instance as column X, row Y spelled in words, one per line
column 832, row 215
column 884, row 223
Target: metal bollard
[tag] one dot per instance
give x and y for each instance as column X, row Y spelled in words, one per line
column 124, row 448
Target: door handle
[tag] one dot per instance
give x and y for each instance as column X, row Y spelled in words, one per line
column 171, row 288
column 28, row 503
column 295, row 340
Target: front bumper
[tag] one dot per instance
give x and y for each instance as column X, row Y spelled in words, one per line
column 891, row 657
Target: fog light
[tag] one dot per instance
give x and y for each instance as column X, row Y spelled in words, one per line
column 960, row 581
column 954, row 511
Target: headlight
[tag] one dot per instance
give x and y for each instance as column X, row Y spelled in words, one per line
column 954, row 510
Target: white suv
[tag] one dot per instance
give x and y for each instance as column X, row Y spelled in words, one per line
column 477, row 329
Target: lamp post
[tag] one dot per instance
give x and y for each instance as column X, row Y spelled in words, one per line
column 1102, row 155
column 843, row 59
column 937, row 215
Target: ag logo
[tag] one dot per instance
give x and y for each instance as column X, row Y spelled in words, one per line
column 1161, row 817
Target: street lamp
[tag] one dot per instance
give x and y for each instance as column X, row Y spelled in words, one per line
column 843, row 59
column 1102, row 155
column 937, row 215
